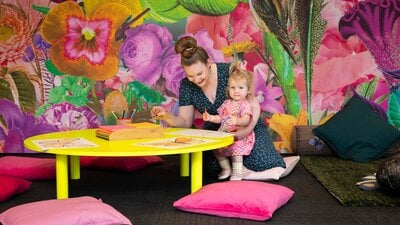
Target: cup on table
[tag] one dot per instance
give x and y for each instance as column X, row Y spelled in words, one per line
column 123, row 121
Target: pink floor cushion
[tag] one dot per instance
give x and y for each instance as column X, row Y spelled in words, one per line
column 253, row 200
column 73, row 211
column 120, row 163
column 30, row 168
column 10, row 186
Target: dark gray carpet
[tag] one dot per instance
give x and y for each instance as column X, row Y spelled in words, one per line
column 146, row 198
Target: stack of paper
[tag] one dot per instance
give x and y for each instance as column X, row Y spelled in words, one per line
column 129, row 131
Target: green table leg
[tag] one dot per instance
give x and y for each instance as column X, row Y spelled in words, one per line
column 185, row 164
column 75, row 167
column 197, row 171
column 62, row 176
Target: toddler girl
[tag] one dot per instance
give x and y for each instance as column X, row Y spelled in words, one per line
column 234, row 113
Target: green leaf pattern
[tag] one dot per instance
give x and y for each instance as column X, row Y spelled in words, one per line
column 5, row 91
column 284, row 73
column 394, row 108
column 310, row 27
column 209, row 7
column 162, row 11
column 26, row 91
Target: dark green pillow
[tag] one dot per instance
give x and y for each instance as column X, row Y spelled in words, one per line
column 357, row 132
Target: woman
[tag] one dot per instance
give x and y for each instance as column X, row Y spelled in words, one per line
column 204, row 89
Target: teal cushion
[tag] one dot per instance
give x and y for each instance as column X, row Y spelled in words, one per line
column 357, row 132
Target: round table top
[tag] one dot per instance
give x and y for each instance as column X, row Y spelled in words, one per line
column 85, row 143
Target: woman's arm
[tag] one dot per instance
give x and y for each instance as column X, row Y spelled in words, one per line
column 184, row 118
column 255, row 110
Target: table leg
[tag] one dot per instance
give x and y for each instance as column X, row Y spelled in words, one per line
column 62, row 176
column 75, row 167
column 185, row 164
column 197, row 171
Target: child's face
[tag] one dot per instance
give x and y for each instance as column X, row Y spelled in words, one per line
column 238, row 90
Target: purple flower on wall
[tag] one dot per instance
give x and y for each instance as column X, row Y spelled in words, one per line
column 66, row 116
column 173, row 72
column 266, row 94
column 40, row 43
column 144, row 49
column 41, row 46
column 18, row 126
column 376, row 23
column 28, row 54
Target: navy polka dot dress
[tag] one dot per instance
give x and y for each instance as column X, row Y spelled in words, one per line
column 262, row 157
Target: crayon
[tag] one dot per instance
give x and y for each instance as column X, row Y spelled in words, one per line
column 115, row 115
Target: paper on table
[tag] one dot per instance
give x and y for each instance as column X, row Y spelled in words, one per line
column 172, row 143
column 63, row 143
column 201, row 133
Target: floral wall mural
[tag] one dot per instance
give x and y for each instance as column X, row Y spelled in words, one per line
column 72, row 64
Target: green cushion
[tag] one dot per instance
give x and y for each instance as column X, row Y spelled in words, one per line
column 357, row 132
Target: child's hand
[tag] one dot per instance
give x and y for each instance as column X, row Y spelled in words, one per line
column 232, row 121
column 158, row 112
column 206, row 116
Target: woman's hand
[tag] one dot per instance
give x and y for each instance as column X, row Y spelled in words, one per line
column 158, row 112
column 242, row 132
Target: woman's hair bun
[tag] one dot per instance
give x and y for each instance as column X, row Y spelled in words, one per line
column 186, row 46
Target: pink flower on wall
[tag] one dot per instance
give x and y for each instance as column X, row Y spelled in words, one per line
column 33, row 16
column 18, row 22
column 243, row 28
column 15, row 34
column 123, row 76
column 339, row 64
column 335, row 10
column 143, row 51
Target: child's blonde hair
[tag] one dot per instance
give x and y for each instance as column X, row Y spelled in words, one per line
column 236, row 74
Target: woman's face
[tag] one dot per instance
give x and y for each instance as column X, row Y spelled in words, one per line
column 198, row 73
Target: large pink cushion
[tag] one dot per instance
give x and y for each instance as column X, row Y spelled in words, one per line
column 73, row 211
column 120, row 163
column 251, row 200
column 30, row 168
column 10, row 186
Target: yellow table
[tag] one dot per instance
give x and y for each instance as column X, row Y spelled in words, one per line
column 125, row 148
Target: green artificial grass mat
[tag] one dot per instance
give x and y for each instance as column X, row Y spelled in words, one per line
column 340, row 176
